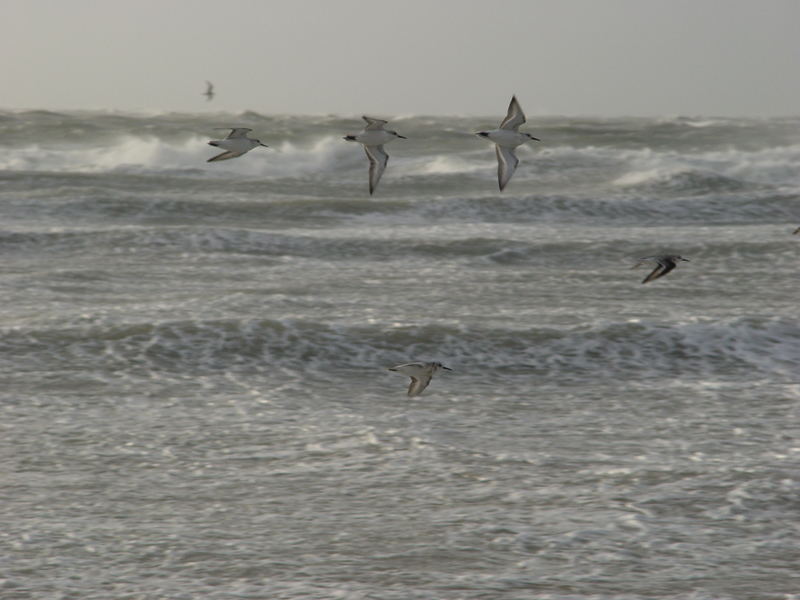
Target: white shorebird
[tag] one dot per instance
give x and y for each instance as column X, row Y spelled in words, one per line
column 506, row 138
column 209, row 93
column 664, row 264
column 236, row 144
column 420, row 373
column 373, row 137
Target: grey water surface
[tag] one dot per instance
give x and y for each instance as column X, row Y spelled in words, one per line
column 193, row 385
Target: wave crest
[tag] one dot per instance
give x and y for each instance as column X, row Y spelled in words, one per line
column 740, row 347
column 137, row 154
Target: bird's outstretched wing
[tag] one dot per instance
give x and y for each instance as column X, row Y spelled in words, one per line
column 515, row 117
column 238, row 132
column 507, row 163
column 373, row 124
column 659, row 271
column 377, row 164
column 224, row 156
column 418, row 385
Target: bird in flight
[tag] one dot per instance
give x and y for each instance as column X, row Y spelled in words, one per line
column 506, row 138
column 373, row 137
column 209, row 93
column 236, row 144
column 420, row 373
column 664, row 264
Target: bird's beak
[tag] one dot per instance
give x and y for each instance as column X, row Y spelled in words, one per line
column 402, row 137
column 446, row 368
column 265, row 146
column 537, row 139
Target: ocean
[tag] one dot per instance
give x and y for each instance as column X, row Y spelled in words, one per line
column 194, row 387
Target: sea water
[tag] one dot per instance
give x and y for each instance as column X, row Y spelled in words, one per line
column 194, row 387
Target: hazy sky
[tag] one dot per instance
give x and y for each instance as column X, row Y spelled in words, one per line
column 569, row 57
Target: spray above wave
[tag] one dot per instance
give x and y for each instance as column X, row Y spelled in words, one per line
column 597, row 187
column 738, row 347
column 610, row 154
column 701, row 173
column 135, row 154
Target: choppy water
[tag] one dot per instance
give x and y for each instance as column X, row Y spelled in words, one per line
column 195, row 401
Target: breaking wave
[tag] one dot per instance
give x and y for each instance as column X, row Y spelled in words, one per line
column 599, row 158
column 736, row 347
column 134, row 154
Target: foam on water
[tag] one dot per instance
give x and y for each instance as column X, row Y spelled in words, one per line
column 134, row 154
column 194, row 394
column 727, row 170
column 80, row 143
column 735, row 348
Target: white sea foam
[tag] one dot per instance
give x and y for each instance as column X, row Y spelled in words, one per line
column 193, row 363
column 150, row 153
column 764, row 346
column 769, row 166
column 549, row 165
column 448, row 165
column 128, row 153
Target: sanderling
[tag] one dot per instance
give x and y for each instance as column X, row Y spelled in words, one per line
column 373, row 138
column 209, row 93
column 420, row 373
column 506, row 138
column 665, row 264
column 236, row 144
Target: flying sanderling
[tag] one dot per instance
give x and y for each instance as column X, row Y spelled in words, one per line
column 506, row 138
column 420, row 373
column 236, row 144
column 373, row 137
column 209, row 93
column 664, row 264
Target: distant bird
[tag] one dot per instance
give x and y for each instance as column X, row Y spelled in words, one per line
column 236, row 144
column 664, row 264
column 420, row 373
column 209, row 93
column 373, row 137
column 506, row 138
